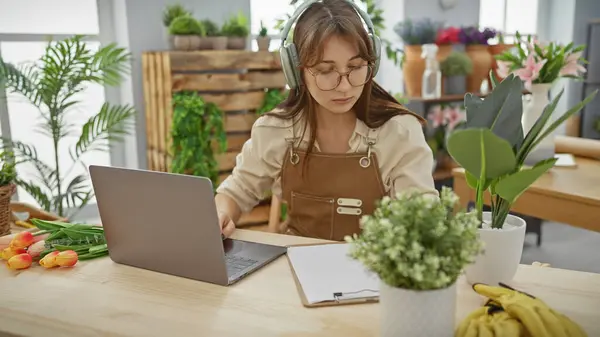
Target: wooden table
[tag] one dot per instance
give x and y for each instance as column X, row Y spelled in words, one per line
column 569, row 195
column 101, row 298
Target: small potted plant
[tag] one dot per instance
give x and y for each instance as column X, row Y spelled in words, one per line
column 455, row 69
column 491, row 147
column 186, row 32
column 263, row 40
column 8, row 175
column 170, row 13
column 236, row 29
column 211, row 31
column 418, row 247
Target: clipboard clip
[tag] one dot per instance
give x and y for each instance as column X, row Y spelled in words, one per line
column 339, row 296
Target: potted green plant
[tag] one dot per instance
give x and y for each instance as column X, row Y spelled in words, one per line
column 455, row 69
column 8, row 176
column 418, row 247
column 169, row 14
column 263, row 40
column 236, row 29
column 491, row 147
column 211, row 30
column 186, row 32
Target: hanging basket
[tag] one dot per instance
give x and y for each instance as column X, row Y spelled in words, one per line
column 6, row 193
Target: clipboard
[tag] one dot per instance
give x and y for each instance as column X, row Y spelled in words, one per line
column 358, row 296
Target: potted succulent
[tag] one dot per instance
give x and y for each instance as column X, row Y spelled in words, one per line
column 8, row 175
column 263, row 40
column 415, row 34
column 170, row 13
column 455, row 69
column 236, row 29
column 186, row 32
column 491, row 147
column 418, row 248
column 211, row 31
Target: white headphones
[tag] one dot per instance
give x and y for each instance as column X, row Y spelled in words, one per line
column 289, row 54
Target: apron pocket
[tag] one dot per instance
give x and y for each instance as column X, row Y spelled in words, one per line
column 311, row 215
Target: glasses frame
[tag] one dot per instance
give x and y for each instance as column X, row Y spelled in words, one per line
column 344, row 74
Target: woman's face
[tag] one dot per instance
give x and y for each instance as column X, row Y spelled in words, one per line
column 339, row 57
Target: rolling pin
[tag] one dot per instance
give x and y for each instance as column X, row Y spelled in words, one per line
column 577, row 146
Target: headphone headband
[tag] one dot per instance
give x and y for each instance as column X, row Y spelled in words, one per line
column 289, row 55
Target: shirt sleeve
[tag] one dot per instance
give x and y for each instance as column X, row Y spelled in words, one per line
column 413, row 168
column 257, row 166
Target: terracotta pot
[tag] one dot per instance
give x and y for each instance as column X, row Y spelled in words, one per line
column 443, row 52
column 205, row 43
column 482, row 64
column 263, row 43
column 238, row 43
column 186, row 42
column 496, row 50
column 219, row 42
column 412, row 70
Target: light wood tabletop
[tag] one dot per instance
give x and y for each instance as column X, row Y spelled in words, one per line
column 102, row 298
column 569, row 195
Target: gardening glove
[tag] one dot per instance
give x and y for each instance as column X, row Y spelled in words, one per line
column 537, row 318
column 489, row 321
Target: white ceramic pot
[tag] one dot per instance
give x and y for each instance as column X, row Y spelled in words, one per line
column 503, row 250
column 533, row 106
column 417, row 313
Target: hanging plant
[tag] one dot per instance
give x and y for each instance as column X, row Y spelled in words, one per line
column 197, row 134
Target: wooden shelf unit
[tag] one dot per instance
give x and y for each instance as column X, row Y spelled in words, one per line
column 234, row 80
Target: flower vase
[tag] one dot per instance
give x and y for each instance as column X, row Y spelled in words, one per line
column 503, row 249
column 412, row 70
column 533, row 106
column 415, row 313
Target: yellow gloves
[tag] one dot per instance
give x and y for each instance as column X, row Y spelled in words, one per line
column 508, row 308
column 489, row 321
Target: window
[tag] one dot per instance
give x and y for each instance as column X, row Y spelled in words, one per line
column 26, row 24
column 49, row 17
column 509, row 16
column 23, row 118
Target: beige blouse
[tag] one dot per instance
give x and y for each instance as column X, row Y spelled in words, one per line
column 405, row 158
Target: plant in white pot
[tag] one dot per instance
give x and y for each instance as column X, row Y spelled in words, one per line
column 170, row 13
column 491, row 147
column 263, row 40
column 418, row 247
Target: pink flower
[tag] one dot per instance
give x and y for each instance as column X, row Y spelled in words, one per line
column 530, row 71
column 436, row 116
column 571, row 67
column 454, row 115
column 503, row 68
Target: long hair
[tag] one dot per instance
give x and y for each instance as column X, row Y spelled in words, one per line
column 320, row 21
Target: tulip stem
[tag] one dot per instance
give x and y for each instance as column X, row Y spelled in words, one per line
column 41, row 232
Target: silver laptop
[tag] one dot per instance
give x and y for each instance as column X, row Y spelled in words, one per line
column 168, row 223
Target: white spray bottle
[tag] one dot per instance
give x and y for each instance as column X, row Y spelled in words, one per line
column 432, row 76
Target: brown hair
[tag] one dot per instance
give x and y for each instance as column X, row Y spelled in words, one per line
column 318, row 22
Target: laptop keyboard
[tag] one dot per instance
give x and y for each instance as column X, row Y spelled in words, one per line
column 236, row 264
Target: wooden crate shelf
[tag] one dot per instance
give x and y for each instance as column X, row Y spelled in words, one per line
column 234, row 80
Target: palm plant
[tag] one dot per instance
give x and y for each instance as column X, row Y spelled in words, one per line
column 52, row 85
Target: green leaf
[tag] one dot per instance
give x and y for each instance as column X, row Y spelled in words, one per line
column 500, row 111
column 513, row 185
column 472, row 181
column 108, row 125
column 481, row 152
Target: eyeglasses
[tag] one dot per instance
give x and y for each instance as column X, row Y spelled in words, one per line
column 330, row 79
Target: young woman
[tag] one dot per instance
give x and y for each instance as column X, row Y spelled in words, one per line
column 338, row 144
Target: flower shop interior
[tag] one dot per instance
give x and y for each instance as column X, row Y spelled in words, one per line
column 176, row 86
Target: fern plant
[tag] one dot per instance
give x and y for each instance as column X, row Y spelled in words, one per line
column 52, row 85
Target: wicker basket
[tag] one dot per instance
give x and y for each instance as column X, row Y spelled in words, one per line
column 6, row 192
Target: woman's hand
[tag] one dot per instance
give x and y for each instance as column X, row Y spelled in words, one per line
column 227, row 225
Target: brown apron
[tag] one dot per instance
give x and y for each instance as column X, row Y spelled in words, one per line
column 328, row 199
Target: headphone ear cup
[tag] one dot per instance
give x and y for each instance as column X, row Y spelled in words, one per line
column 289, row 65
column 377, row 48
